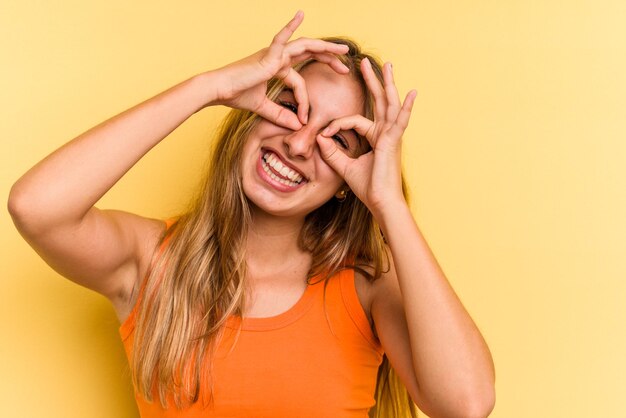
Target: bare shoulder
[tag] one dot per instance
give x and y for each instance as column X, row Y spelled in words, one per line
column 105, row 250
column 364, row 290
column 378, row 294
column 386, row 290
column 147, row 233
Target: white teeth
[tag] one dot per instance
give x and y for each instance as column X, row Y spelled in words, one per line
column 269, row 159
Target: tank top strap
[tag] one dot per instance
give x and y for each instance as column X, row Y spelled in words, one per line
column 129, row 324
column 355, row 309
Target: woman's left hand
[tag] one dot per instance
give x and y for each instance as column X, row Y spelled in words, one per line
column 375, row 176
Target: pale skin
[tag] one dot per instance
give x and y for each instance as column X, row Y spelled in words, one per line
column 430, row 339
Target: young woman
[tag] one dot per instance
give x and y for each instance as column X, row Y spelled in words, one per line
column 298, row 275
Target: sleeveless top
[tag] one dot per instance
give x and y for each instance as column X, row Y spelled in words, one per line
column 319, row 358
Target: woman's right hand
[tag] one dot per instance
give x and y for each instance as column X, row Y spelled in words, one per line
column 243, row 84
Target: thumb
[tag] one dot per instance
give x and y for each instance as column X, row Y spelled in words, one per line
column 333, row 156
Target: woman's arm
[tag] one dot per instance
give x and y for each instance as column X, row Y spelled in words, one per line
column 416, row 311
column 430, row 339
column 64, row 186
column 52, row 204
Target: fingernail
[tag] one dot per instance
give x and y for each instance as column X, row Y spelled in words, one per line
column 325, row 132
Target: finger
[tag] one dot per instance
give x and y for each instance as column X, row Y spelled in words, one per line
column 380, row 102
column 333, row 156
column 278, row 115
column 332, row 60
column 281, row 38
column 298, row 86
column 363, row 126
column 402, row 122
column 393, row 100
column 285, row 33
column 302, row 45
column 360, row 124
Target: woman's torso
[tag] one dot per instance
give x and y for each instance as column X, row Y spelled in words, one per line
column 318, row 357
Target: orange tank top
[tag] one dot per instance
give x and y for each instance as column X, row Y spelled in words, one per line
column 317, row 359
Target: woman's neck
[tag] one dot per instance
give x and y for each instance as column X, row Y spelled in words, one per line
column 272, row 243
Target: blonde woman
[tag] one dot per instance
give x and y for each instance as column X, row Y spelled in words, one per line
column 297, row 284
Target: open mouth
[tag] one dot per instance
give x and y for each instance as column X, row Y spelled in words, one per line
column 280, row 172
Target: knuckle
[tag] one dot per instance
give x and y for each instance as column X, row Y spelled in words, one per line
column 331, row 154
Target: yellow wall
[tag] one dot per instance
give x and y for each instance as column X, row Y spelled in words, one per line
column 516, row 156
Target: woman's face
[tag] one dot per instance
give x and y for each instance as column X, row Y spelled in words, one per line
column 283, row 171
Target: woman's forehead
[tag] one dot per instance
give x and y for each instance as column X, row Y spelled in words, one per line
column 331, row 92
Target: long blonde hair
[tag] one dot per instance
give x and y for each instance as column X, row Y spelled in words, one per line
column 198, row 280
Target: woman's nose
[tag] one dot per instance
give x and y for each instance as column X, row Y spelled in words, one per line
column 301, row 143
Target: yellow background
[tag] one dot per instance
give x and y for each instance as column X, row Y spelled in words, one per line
column 515, row 154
